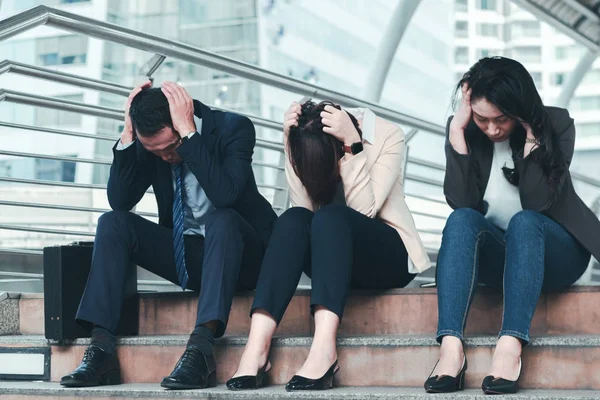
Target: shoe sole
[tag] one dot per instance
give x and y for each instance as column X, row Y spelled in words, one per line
column 108, row 379
column 498, row 393
column 212, row 382
column 184, row 386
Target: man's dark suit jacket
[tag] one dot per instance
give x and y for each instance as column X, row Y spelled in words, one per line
column 220, row 158
column 467, row 178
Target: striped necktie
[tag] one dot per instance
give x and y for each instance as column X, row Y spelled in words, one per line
column 178, row 216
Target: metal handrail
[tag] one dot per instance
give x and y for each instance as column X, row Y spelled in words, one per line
column 21, row 251
column 96, row 161
column 98, row 111
column 585, row 179
column 7, row 66
column 14, row 67
column 574, row 175
column 66, row 207
column 42, row 15
column 274, row 187
column 429, row 164
column 67, row 105
column 425, row 198
column 24, row 228
column 54, row 183
column 60, row 104
column 265, row 144
column 58, row 131
column 23, row 274
column 422, row 179
column 424, row 214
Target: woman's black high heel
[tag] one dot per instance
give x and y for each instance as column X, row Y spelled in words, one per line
column 446, row 383
column 325, row 382
column 250, row 382
column 493, row 385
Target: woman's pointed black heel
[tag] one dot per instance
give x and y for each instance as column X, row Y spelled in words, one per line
column 301, row 383
column 250, row 382
column 446, row 383
column 492, row 385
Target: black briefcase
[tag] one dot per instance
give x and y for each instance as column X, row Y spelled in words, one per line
column 66, row 270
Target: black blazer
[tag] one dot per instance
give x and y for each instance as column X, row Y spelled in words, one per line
column 467, row 178
column 220, row 158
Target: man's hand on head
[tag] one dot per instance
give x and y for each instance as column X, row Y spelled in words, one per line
column 127, row 136
column 181, row 106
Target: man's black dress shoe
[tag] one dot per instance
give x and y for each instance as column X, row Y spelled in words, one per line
column 195, row 370
column 249, row 382
column 491, row 385
column 446, row 383
column 97, row 368
column 301, row 383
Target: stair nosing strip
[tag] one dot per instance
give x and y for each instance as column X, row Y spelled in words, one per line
column 303, row 341
column 276, row 392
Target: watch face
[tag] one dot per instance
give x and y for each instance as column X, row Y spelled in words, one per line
column 356, row 147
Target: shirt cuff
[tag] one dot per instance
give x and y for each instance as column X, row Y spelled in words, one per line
column 121, row 146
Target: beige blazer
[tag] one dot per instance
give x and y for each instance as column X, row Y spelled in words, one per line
column 373, row 184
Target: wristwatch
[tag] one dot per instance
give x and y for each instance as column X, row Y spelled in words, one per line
column 186, row 137
column 354, row 148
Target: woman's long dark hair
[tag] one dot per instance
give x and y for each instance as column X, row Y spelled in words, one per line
column 507, row 84
column 314, row 154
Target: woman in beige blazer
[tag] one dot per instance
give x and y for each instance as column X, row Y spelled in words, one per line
column 349, row 227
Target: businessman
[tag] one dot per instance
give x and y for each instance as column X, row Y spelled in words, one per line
column 213, row 226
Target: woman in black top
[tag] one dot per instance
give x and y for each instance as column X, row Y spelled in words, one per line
column 517, row 222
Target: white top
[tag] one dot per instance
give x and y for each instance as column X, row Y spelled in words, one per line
column 502, row 197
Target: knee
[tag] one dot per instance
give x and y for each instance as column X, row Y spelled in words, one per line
column 114, row 221
column 222, row 221
column 463, row 218
column 332, row 216
column 525, row 221
column 294, row 218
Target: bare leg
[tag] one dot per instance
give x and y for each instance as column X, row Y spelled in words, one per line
column 256, row 352
column 323, row 352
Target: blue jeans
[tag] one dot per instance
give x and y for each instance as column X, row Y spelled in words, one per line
column 534, row 254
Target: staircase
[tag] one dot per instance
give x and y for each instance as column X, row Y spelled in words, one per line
column 386, row 347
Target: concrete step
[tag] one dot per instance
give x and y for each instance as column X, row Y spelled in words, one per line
column 51, row 391
column 392, row 312
column 548, row 363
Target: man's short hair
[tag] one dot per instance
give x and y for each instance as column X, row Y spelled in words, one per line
column 149, row 112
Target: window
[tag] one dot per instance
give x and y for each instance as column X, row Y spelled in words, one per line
column 487, row 5
column 482, row 53
column 558, row 79
column 592, row 77
column 585, row 103
column 527, row 54
column 568, row 52
column 52, row 170
column 521, row 29
column 461, row 55
column 6, row 168
column 51, row 117
column 461, row 29
column 587, row 129
column 537, row 79
column 62, row 50
column 488, row 30
column 461, row 5
column 73, row 1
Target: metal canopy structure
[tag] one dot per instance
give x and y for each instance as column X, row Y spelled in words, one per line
column 579, row 19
